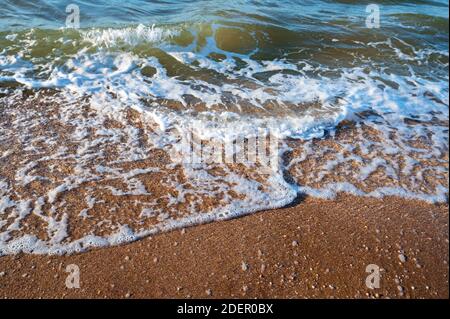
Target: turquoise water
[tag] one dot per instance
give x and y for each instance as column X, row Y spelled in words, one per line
column 329, row 35
column 296, row 15
column 332, row 33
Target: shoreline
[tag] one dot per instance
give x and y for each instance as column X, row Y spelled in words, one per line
column 226, row 150
column 313, row 249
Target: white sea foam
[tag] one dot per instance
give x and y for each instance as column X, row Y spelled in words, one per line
column 132, row 36
column 385, row 156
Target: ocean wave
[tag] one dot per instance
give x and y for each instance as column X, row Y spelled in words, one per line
column 94, row 125
column 140, row 34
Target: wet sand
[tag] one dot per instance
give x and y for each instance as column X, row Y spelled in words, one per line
column 312, row 249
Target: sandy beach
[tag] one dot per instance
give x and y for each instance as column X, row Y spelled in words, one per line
column 313, row 249
column 211, row 149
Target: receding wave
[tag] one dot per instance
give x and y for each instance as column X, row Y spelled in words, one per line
column 100, row 125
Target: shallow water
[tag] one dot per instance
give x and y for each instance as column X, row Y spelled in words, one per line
column 84, row 111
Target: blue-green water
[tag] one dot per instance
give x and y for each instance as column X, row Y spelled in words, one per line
column 262, row 59
column 332, row 33
column 258, row 58
column 292, row 14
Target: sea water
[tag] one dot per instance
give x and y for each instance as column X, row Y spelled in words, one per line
column 122, row 119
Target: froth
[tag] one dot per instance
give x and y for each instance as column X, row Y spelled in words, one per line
column 96, row 160
column 128, row 36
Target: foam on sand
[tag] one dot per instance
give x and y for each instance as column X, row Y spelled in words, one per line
column 93, row 134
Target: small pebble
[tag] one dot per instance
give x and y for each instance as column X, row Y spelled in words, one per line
column 402, row 258
column 244, row 266
column 294, row 243
column 208, row 292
